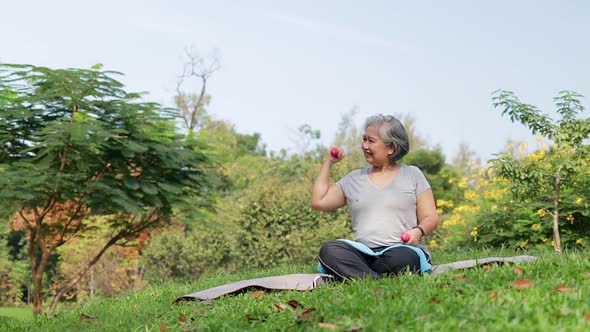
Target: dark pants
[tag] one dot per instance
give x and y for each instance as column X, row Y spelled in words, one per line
column 344, row 262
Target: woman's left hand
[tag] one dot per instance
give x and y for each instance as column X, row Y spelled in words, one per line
column 415, row 236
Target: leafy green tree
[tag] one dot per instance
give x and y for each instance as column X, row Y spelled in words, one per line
column 443, row 179
column 74, row 143
column 236, row 158
column 14, row 266
column 545, row 179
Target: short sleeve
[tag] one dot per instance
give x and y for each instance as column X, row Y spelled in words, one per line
column 349, row 184
column 343, row 183
column 421, row 182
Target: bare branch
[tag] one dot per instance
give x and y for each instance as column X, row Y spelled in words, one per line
column 195, row 67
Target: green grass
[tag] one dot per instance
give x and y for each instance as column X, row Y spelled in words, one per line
column 468, row 300
column 15, row 313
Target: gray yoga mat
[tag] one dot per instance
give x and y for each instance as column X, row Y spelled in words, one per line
column 308, row 281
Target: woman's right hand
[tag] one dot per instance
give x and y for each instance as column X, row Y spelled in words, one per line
column 335, row 155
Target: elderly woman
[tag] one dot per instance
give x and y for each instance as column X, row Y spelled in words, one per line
column 384, row 200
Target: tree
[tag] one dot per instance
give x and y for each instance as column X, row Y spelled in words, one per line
column 466, row 160
column 546, row 178
column 192, row 105
column 74, row 143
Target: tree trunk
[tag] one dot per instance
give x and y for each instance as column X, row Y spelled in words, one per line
column 91, row 282
column 38, row 271
column 37, row 293
column 38, row 265
column 139, row 277
column 556, row 238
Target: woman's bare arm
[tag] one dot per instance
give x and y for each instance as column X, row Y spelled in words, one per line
column 325, row 197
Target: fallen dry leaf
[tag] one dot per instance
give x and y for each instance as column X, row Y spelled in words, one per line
column 562, row 289
column 377, row 291
column 329, row 326
column 84, row 317
column 257, row 294
column 588, row 274
column 136, row 306
column 310, row 309
column 207, row 302
column 307, row 317
column 493, row 296
column 587, row 316
column 488, row 267
column 353, row 329
column 435, row 300
column 522, row 283
column 443, row 284
column 248, row 317
column 459, row 276
column 163, row 327
column 518, row 270
column 181, row 319
column 294, row 304
column 280, row 307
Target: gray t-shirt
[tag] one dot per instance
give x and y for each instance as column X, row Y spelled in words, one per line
column 381, row 215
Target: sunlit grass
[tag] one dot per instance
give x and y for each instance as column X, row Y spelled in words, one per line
column 556, row 297
column 15, row 313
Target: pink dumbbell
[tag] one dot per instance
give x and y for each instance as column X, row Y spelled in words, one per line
column 334, row 152
column 405, row 237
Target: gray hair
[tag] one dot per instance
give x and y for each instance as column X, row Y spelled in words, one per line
column 392, row 133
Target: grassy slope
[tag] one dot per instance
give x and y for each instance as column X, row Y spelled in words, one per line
column 470, row 300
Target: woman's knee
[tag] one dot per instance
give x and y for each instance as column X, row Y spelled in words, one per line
column 398, row 260
column 330, row 248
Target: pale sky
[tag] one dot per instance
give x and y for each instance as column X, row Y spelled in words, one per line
column 289, row 63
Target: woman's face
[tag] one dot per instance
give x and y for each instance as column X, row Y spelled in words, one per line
column 375, row 150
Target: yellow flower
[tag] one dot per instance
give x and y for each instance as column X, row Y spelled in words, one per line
column 579, row 241
column 470, row 195
column 569, row 218
column 523, row 244
column 536, row 227
column 433, row 244
column 544, row 239
column 462, row 183
column 579, row 201
column 538, row 138
column 541, row 213
column 494, row 207
column 441, row 203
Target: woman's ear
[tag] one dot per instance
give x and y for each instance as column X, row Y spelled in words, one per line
column 390, row 151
